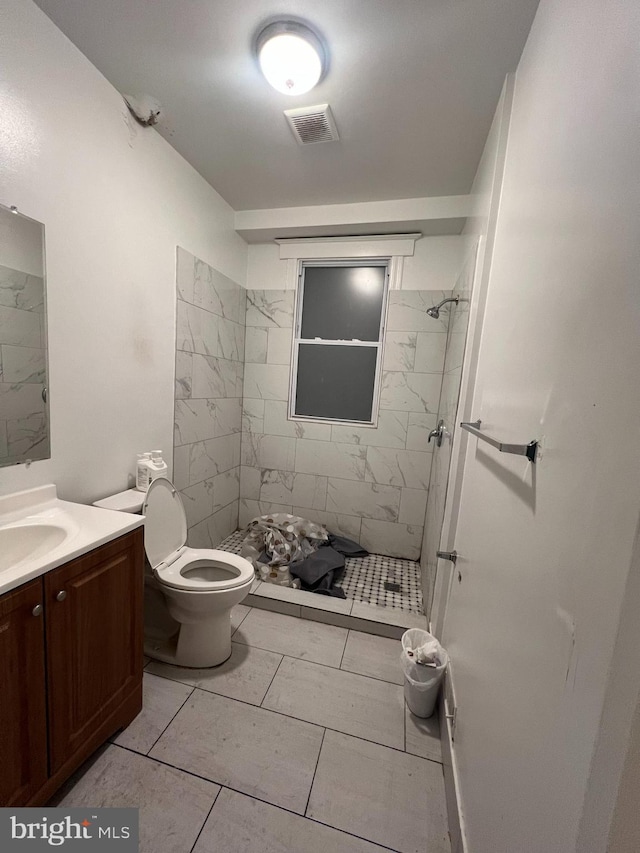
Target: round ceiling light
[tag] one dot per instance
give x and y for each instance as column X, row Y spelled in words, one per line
column 291, row 57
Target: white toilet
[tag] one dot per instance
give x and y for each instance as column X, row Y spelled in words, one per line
column 200, row 586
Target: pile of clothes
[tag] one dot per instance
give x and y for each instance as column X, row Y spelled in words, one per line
column 295, row 552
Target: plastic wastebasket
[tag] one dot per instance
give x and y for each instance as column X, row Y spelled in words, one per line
column 421, row 682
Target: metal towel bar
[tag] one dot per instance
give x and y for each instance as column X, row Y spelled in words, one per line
column 529, row 450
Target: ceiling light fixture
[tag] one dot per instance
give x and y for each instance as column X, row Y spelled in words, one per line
column 291, row 56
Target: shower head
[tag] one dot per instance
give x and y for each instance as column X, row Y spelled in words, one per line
column 434, row 311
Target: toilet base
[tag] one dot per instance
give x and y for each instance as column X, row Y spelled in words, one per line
column 199, row 645
column 206, row 643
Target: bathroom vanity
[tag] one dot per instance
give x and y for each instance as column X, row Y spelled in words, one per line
column 71, row 635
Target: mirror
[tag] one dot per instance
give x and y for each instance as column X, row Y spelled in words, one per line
column 24, row 411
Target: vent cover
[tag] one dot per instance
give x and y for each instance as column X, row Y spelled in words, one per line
column 312, row 124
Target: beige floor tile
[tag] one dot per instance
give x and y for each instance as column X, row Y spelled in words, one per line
column 364, row 707
column 423, row 736
column 161, row 701
column 374, row 656
column 173, row 805
column 298, row 638
column 237, row 615
column 249, row 749
column 380, row 794
column 245, row 676
column 328, row 617
column 239, row 824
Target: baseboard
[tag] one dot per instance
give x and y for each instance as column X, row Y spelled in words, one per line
column 456, row 822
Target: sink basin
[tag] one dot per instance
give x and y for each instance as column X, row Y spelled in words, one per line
column 19, row 542
column 39, row 532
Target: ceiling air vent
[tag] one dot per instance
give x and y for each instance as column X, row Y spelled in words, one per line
column 312, row 124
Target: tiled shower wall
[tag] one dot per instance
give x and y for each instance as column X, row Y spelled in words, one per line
column 367, row 483
column 24, row 432
column 447, row 410
column 208, row 399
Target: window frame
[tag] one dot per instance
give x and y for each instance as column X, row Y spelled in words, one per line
column 378, row 345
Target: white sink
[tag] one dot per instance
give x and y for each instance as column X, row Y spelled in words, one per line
column 39, row 532
column 19, row 542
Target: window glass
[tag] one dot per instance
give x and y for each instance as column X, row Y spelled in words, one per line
column 336, row 381
column 343, row 303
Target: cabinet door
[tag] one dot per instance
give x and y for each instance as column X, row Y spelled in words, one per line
column 23, row 718
column 94, row 644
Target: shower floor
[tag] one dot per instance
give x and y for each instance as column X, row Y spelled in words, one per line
column 364, row 578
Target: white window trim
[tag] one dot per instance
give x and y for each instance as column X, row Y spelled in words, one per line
column 392, row 247
column 360, row 246
column 300, row 265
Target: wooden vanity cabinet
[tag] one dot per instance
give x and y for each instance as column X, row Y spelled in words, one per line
column 71, row 675
column 23, row 706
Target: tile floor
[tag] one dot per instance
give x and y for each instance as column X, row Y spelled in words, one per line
column 364, row 577
column 299, row 743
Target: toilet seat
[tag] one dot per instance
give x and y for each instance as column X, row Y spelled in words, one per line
column 239, row 570
column 173, row 563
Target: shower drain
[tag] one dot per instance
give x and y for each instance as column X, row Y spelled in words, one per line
column 392, row 586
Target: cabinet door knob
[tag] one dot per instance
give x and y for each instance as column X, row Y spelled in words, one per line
column 61, row 595
column 37, row 610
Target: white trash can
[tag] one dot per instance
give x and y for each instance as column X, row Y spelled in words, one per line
column 422, row 680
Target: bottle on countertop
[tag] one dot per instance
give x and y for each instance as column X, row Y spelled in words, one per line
column 158, row 467
column 143, row 471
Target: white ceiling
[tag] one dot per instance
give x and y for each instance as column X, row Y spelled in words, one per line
column 412, row 84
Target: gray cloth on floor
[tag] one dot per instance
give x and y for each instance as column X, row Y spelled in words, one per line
column 346, row 546
column 302, row 549
column 319, row 572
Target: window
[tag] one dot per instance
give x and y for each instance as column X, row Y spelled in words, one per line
column 338, row 340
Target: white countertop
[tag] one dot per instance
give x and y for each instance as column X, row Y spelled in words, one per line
column 85, row 528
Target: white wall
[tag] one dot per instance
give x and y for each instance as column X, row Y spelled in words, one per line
column 116, row 200
column 534, row 629
column 435, row 265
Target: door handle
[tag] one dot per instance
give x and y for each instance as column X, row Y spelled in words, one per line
column 452, row 556
column 437, row 433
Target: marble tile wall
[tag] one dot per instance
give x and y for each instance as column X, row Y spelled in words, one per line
column 447, row 410
column 208, row 399
column 24, row 432
column 368, row 483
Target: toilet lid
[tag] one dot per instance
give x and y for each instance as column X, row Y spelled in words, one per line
column 165, row 527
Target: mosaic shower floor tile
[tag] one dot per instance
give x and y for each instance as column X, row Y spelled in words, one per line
column 364, row 578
